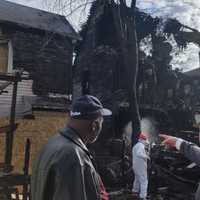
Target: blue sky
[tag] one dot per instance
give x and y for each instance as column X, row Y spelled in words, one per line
column 186, row 11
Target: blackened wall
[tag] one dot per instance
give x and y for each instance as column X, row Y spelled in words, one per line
column 48, row 58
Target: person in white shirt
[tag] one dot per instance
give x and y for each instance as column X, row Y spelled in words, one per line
column 140, row 156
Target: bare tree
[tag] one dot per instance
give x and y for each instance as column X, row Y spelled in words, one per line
column 76, row 11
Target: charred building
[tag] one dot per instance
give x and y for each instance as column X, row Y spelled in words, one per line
column 41, row 44
column 99, row 64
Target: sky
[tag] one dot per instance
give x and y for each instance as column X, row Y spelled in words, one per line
column 186, row 11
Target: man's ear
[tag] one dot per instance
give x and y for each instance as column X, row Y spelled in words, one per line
column 95, row 125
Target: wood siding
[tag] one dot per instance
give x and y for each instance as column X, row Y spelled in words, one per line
column 23, row 107
column 47, row 58
column 48, row 61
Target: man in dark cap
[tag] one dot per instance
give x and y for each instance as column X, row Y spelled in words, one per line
column 64, row 168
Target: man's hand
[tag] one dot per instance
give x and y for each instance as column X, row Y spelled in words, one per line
column 168, row 140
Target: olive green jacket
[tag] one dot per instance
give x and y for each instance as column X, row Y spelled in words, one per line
column 64, row 170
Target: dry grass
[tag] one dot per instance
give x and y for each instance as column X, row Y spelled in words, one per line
column 37, row 130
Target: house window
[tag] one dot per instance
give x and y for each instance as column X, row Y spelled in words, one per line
column 6, row 56
column 170, row 93
column 3, row 56
column 10, row 56
column 187, row 89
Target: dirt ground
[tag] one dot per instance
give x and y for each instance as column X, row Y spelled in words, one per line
column 38, row 130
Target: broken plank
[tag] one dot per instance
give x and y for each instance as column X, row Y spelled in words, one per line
column 5, row 168
column 11, row 76
column 8, row 128
column 14, row 180
column 4, row 85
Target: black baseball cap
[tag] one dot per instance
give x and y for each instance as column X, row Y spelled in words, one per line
column 88, row 107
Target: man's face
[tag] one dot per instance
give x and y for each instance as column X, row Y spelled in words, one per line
column 197, row 121
column 197, row 118
column 96, row 129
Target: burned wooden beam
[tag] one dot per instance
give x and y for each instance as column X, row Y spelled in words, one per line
column 9, row 135
column 26, row 167
column 4, row 85
column 7, row 192
column 8, row 128
column 14, row 180
column 11, row 76
column 4, row 166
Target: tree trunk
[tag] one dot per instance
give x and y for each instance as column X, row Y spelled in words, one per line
column 126, row 31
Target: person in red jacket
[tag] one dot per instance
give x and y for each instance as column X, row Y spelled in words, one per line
column 103, row 193
column 188, row 149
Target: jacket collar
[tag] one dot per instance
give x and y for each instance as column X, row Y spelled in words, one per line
column 142, row 136
column 73, row 135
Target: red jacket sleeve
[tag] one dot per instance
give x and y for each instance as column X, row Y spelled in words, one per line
column 104, row 194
